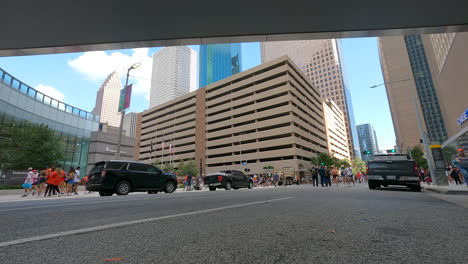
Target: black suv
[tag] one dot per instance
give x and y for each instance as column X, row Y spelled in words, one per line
column 122, row 177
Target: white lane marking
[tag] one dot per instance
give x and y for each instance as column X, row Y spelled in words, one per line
column 128, row 223
column 97, row 202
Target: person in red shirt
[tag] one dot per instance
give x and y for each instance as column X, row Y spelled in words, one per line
column 53, row 181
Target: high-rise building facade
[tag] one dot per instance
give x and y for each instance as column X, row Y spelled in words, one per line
column 322, row 62
column 219, row 61
column 130, row 124
column 336, row 130
column 173, row 74
column 368, row 140
column 426, row 88
column 107, row 100
column 410, row 87
column 19, row 102
column 269, row 115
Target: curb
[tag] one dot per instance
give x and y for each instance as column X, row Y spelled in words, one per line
column 449, row 192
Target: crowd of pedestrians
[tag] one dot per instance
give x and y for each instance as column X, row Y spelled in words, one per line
column 335, row 176
column 52, row 181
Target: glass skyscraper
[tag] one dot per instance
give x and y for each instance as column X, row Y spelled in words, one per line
column 218, row 61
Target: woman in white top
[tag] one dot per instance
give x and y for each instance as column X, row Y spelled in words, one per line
column 28, row 182
column 77, row 180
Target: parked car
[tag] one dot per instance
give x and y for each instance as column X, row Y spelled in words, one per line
column 228, row 179
column 394, row 169
column 123, row 177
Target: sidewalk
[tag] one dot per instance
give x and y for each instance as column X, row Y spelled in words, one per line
column 450, row 189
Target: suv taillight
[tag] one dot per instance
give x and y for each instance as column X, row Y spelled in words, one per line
column 103, row 173
column 367, row 168
column 416, row 168
column 220, row 178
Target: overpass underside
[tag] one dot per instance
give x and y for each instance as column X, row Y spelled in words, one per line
column 47, row 27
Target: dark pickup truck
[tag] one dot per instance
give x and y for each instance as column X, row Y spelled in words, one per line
column 385, row 170
column 228, row 179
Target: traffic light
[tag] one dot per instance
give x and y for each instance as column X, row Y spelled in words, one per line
column 247, row 170
column 365, row 152
column 321, row 163
column 391, row 150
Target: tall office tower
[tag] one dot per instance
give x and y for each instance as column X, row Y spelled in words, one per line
column 335, row 127
column 322, row 63
column 173, row 75
column 219, row 61
column 130, row 123
column 107, row 100
column 368, row 140
column 407, row 74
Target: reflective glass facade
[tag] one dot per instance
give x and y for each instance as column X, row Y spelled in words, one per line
column 349, row 103
column 19, row 102
column 426, row 90
column 218, row 61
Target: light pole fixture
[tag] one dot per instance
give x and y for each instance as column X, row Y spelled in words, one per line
column 119, row 142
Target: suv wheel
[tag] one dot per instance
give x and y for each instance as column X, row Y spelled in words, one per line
column 170, row 187
column 416, row 188
column 228, row 186
column 122, row 188
column 212, row 188
column 371, row 185
column 152, row 192
column 250, row 185
column 106, row 193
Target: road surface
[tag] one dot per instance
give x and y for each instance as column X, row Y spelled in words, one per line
column 294, row 224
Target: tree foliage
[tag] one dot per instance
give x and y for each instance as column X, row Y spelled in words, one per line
column 29, row 145
column 185, row 168
column 358, row 165
column 418, row 156
column 322, row 158
column 448, row 153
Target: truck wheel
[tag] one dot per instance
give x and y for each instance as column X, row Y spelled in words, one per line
column 212, row 188
column 250, row 185
column 228, row 186
column 371, row 185
column 416, row 188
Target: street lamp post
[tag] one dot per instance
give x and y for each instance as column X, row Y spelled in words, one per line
column 430, row 162
column 119, row 142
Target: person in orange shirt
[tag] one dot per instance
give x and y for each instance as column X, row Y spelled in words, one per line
column 61, row 176
column 53, row 181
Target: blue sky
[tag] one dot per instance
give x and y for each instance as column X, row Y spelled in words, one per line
column 75, row 78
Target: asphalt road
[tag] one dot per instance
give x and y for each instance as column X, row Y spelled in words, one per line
column 294, row 224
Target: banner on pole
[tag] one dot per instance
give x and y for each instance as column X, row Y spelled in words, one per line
column 125, row 96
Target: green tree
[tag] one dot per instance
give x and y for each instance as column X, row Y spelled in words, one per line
column 418, row 156
column 29, row 145
column 358, row 165
column 185, row 168
column 342, row 163
column 448, row 153
column 167, row 167
column 323, row 159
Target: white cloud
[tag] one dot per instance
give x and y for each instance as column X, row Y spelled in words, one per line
column 50, row 91
column 96, row 65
